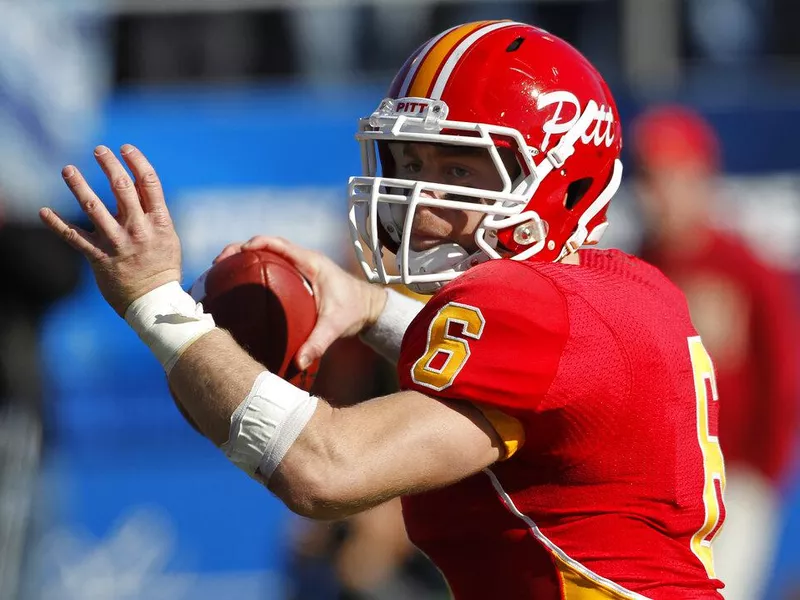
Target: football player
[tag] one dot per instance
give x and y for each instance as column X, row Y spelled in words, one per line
column 555, row 436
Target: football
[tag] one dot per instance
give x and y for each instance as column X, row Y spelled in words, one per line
column 267, row 306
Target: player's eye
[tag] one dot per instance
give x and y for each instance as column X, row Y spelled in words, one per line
column 457, row 172
column 411, row 167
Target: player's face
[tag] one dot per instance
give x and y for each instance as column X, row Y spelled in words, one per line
column 675, row 199
column 453, row 165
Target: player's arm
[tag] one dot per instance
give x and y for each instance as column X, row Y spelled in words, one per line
column 135, row 257
column 343, row 460
column 327, row 463
column 350, row 459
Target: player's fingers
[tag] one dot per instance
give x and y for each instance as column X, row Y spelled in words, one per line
column 150, row 191
column 227, row 251
column 128, row 203
column 317, row 343
column 304, row 260
column 257, row 242
column 75, row 236
column 90, row 203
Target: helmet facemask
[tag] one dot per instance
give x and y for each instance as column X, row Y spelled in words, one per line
column 383, row 208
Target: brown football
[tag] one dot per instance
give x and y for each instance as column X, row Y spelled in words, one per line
column 267, row 306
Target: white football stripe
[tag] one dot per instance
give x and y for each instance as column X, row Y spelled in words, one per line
column 451, row 63
column 418, row 61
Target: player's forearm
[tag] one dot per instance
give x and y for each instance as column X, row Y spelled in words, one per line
column 319, row 477
column 211, row 378
column 350, row 459
column 316, row 477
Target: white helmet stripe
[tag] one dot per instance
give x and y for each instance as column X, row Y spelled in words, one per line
column 419, row 60
column 452, row 61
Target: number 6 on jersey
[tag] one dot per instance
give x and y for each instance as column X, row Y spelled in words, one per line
column 447, row 353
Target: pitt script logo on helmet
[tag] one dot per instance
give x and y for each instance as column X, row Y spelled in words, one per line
column 490, row 85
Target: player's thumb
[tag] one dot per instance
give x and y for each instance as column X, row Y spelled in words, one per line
column 315, row 346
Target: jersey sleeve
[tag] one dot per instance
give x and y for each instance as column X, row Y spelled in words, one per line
column 493, row 337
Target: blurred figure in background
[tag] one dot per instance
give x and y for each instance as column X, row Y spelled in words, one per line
column 36, row 272
column 728, row 32
column 746, row 313
column 51, row 83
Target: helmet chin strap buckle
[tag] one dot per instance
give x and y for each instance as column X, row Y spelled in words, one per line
column 530, row 232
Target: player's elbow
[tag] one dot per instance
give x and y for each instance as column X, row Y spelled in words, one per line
column 313, row 491
column 322, row 476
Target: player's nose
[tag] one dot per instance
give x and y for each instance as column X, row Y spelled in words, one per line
column 432, row 194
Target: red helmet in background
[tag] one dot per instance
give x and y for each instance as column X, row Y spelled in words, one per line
column 671, row 135
column 490, row 85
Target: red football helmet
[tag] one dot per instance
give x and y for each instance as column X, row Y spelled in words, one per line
column 490, row 85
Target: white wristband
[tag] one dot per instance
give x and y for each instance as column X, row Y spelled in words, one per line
column 386, row 335
column 266, row 424
column 168, row 320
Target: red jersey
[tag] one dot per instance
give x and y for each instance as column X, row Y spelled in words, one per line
column 746, row 312
column 613, row 477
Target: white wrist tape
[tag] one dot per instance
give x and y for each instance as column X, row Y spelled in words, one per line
column 386, row 335
column 266, row 424
column 168, row 320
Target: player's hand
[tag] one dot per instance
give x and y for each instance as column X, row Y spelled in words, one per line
column 137, row 249
column 345, row 305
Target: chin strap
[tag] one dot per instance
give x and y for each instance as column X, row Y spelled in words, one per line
column 449, row 260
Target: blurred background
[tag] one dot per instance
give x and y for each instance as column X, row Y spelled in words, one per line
column 248, row 109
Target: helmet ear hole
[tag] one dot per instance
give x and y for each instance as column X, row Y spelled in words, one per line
column 514, row 46
column 577, row 190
